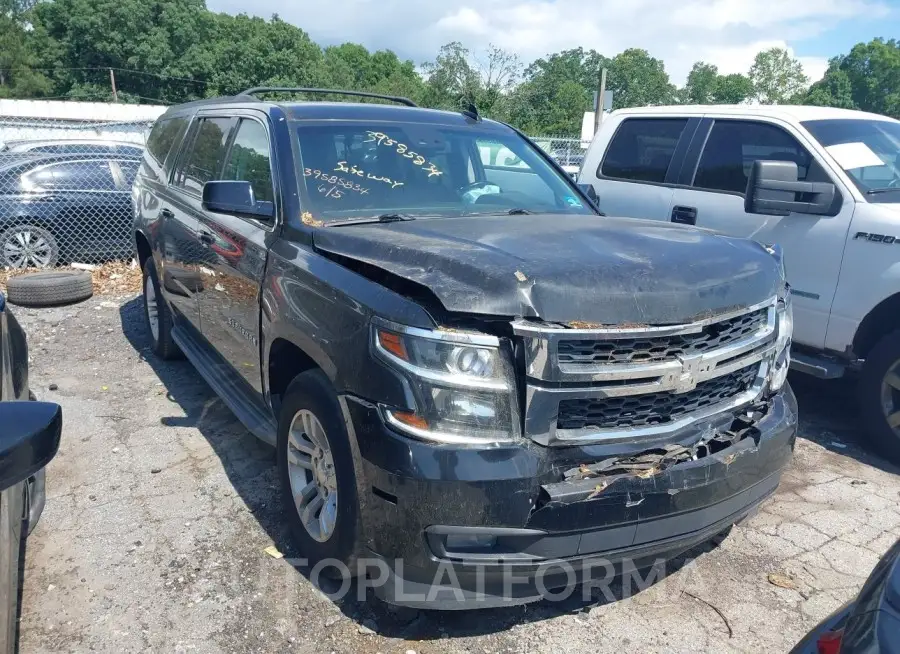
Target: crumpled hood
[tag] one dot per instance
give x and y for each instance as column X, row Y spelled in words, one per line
column 564, row 268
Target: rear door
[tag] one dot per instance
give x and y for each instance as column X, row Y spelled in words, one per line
column 715, row 181
column 637, row 170
column 236, row 254
column 184, row 274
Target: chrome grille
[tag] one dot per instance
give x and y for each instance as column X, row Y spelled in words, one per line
column 661, row 348
column 593, row 385
column 652, row 408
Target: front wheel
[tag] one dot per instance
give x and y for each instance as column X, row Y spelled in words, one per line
column 879, row 399
column 316, row 471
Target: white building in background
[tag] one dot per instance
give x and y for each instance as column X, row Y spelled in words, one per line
column 51, row 119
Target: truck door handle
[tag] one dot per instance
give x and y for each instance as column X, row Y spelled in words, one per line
column 684, row 215
column 207, row 237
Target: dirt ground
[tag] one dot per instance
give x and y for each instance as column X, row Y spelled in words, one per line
column 160, row 506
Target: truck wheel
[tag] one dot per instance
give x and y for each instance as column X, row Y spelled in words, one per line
column 879, row 390
column 157, row 315
column 318, row 481
column 49, row 289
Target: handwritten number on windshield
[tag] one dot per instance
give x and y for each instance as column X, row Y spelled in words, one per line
column 402, row 149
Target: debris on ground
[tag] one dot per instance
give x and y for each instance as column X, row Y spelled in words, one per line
column 782, row 581
column 714, row 608
column 110, row 278
column 272, row 551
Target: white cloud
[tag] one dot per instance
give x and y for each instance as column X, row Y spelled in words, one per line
column 727, row 33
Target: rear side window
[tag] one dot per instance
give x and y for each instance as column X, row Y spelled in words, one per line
column 71, row 176
column 207, row 155
column 249, row 160
column 163, row 136
column 642, row 149
column 733, row 146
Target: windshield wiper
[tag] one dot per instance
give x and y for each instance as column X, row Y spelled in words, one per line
column 519, row 211
column 883, row 189
column 383, row 218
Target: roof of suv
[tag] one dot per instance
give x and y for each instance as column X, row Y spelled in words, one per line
column 300, row 110
column 793, row 113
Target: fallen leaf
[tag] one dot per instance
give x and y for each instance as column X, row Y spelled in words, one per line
column 272, row 551
column 782, row 581
column 308, row 220
column 599, row 488
column 649, row 472
column 521, row 276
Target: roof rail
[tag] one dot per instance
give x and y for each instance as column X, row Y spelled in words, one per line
column 289, row 89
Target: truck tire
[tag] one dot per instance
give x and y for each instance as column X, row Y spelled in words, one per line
column 157, row 316
column 879, row 396
column 47, row 289
column 318, row 480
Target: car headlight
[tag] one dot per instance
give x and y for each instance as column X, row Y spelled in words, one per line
column 784, row 330
column 461, row 384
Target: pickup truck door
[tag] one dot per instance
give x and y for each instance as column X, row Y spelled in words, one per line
column 184, row 275
column 711, row 194
column 236, row 250
column 634, row 168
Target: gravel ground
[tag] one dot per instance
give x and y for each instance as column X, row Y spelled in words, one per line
column 160, row 506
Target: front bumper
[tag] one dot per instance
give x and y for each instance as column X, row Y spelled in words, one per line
column 543, row 532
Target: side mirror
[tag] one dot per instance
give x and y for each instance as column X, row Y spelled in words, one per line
column 29, row 439
column 773, row 190
column 588, row 190
column 235, row 198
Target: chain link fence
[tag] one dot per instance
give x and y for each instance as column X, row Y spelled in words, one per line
column 65, row 185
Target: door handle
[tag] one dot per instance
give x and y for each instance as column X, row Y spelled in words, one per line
column 167, row 213
column 684, row 215
column 207, row 237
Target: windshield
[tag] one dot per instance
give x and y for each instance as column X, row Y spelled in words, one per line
column 868, row 150
column 362, row 170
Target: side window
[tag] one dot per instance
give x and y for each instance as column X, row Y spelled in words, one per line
column 250, row 160
column 204, row 162
column 733, row 146
column 72, row 176
column 642, row 149
column 163, row 136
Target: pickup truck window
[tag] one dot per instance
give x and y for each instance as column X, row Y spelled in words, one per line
column 164, row 135
column 642, row 149
column 733, row 146
column 353, row 170
column 207, row 154
column 250, row 161
column 868, row 150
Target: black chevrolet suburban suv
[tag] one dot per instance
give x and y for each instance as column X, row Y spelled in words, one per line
column 467, row 371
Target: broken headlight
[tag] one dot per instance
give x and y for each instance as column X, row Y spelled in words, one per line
column 784, row 330
column 461, row 384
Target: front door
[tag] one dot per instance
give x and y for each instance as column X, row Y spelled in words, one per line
column 716, row 201
column 236, row 254
column 184, row 275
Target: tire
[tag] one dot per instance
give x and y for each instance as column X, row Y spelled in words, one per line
column 312, row 392
column 47, row 289
column 28, row 246
column 878, row 399
column 160, row 338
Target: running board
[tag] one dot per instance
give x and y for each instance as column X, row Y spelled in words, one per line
column 226, row 383
column 817, row 366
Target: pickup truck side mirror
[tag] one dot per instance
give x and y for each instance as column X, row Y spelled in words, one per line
column 773, row 190
column 235, row 198
column 29, row 439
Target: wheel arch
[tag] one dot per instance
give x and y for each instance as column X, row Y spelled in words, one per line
column 880, row 321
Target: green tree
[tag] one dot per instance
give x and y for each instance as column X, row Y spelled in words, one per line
column 701, row 84
column 777, row 77
column 873, row 72
column 639, row 80
column 732, row 89
column 833, row 90
column 20, row 75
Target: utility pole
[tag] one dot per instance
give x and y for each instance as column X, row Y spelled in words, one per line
column 598, row 113
column 112, row 80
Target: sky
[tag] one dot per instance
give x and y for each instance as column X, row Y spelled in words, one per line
column 727, row 33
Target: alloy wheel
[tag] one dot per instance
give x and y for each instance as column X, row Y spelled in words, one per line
column 312, row 476
column 890, row 397
column 27, row 249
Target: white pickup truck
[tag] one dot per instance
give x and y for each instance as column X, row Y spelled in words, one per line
column 822, row 183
